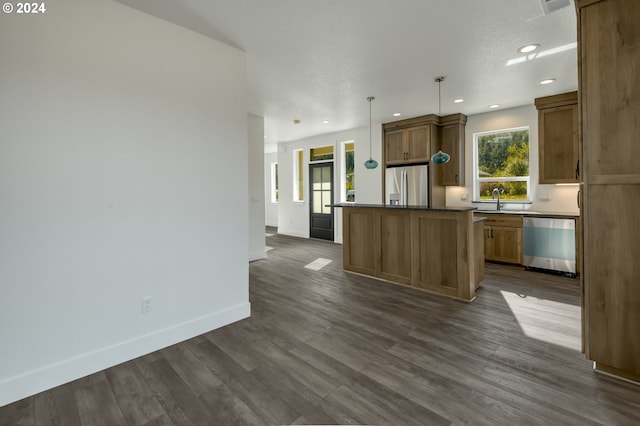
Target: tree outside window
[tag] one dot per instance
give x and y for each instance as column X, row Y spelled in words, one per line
column 502, row 161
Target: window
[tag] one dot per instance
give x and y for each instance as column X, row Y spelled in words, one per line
column 324, row 153
column 274, row 183
column 298, row 177
column 348, row 172
column 502, row 161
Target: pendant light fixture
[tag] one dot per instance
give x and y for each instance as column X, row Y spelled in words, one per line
column 440, row 157
column 370, row 163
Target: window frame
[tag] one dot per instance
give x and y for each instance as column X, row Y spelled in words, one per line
column 343, row 171
column 275, row 190
column 298, row 175
column 477, row 180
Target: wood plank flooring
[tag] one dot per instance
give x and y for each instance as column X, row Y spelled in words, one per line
column 328, row 347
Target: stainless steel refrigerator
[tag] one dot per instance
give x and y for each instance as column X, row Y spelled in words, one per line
column 407, row 185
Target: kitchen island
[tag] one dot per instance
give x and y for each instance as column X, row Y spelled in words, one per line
column 431, row 249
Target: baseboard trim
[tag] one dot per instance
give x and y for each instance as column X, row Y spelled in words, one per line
column 35, row 381
column 258, row 255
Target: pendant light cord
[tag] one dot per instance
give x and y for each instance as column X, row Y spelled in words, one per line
column 370, row 98
column 439, row 80
column 439, row 99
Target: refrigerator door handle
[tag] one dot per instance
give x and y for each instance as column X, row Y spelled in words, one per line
column 405, row 188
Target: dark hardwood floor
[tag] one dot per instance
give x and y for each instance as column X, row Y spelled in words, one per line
column 328, row 347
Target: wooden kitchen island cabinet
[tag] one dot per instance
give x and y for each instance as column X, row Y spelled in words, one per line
column 429, row 249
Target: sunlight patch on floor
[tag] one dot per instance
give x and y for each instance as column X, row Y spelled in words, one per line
column 549, row 321
column 267, row 248
column 268, row 234
column 318, row 264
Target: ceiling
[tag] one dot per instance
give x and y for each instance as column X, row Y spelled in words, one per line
column 317, row 60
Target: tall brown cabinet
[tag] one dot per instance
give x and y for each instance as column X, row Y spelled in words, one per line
column 609, row 115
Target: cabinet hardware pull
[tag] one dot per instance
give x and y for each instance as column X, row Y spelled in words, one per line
column 578, row 199
column 578, row 169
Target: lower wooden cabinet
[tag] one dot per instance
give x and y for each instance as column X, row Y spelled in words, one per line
column 503, row 239
column 394, row 245
column 432, row 250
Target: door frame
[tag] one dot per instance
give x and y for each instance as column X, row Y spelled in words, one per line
column 313, row 165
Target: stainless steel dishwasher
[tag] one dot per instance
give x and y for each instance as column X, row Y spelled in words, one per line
column 550, row 244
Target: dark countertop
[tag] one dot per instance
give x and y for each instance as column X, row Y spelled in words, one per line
column 477, row 213
column 565, row 215
column 386, row 206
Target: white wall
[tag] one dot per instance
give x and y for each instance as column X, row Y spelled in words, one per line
column 114, row 125
column 271, row 208
column 257, row 245
column 293, row 217
column 563, row 198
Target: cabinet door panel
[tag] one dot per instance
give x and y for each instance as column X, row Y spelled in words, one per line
column 419, row 143
column 394, row 146
column 558, row 144
column 452, row 173
column 507, row 244
column 436, row 254
column 611, row 280
column 359, row 241
column 395, row 246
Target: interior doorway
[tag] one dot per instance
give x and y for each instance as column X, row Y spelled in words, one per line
column 321, row 197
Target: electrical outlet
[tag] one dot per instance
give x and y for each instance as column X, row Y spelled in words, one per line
column 545, row 196
column 464, row 197
column 146, row 304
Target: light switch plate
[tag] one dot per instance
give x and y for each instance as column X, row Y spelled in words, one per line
column 544, row 196
column 464, row 197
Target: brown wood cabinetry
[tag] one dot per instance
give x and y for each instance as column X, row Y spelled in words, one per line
column 431, row 250
column 409, row 141
column 503, row 238
column 558, row 138
column 358, row 254
column 452, row 142
column 609, row 107
column 414, row 140
column 478, row 241
column 394, row 245
column 412, row 145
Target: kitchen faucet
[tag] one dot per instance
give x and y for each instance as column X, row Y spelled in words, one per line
column 493, row 196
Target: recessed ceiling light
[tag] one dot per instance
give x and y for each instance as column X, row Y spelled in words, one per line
column 494, row 106
column 325, row 121
column 396, row 114
column 547, row 81
column 458, row 100
column 296, row 121
column 528, row 48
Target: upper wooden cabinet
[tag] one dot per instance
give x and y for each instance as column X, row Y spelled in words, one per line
column 558, row 138
column 608, row 69
column 452, row 142
column 408, row 141
column 414, row 140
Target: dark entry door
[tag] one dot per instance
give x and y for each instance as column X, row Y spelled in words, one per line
column 321, row 194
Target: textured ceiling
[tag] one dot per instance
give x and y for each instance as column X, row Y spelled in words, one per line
column 316, row 60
